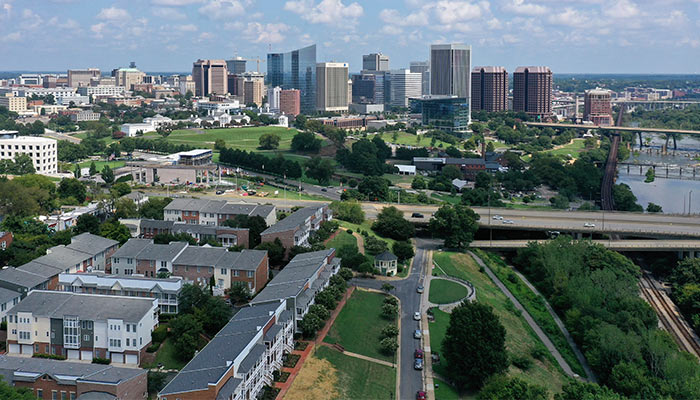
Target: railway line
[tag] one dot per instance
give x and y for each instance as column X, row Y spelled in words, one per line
column 669, row 317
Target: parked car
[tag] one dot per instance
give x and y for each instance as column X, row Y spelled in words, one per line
column 418, row 353
column 416, row 215
column 219, row 192
column 420, row 395
column 418, row 364
column 417, row 334
column 420, row 289
column 589, row 225
column 416, row 316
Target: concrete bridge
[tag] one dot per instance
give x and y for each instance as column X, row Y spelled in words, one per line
column 685, row 248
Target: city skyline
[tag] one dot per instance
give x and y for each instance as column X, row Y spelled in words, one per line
column 168, row 35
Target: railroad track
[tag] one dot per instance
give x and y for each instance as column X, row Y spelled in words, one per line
column 669, row 318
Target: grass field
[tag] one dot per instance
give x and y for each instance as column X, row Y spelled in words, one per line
column 367, row 226
column 444, row 292
column 359, row 325
column 101, row 164
column 412, row 140
column 343, row 238
column 360, row 379
column 166, row 356
column 445, row 391
column 573, row 149
column 438, row 328
column 456, row 199
column 237, row 138
column 520, row 339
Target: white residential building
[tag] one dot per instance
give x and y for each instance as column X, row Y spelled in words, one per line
column 273, row 98
column 41, row 150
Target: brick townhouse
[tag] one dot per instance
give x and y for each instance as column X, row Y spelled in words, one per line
column 214, row 212
column 5, row 240
column 56, row 379
column 82, row 326
column 239, row 360
column 193, row 263
column 226, row 236
column 296, row 228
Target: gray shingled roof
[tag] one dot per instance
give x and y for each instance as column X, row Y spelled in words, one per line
column 155, row 224
column 63, row 256
column 145, row 249
column 91, row 244
column 131, row 248
column 6, row 295
column 200, row 256
column 84, row 372
column 293, row 220
column 386, row 256
column 43, row 270
column 220, row 206
column 218, row 257
column 21, row 278
column 87, row 306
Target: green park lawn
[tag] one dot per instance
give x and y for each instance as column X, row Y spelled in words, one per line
column 444, row 391
column 359, row 325
column 343, row 238
column 166, row 356
column 237, row 138
column 101, row 164
column 574, row 149
column 520, row 339
column 444, row 292
column 408, row 139
column 360, row 379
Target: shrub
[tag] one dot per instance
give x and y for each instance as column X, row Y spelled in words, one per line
column 153, row 347
column 49, row 356
column 391, row 300
column 390, row 331
column 98, row 360
column 159, row 334
column 389, row 311
column 521, row 361
column 388, row 345
column 539, row 353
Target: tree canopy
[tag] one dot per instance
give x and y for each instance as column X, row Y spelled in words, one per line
column 457, row 224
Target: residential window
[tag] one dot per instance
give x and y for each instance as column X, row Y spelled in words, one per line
column 235, row 272
column 64, row 395
column 54, row 395
column 86, row 338
column 250, row 274
column 72, row 395
column 127, row 341
column 40, row 393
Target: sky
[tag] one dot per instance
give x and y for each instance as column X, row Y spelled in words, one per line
column 569, row 36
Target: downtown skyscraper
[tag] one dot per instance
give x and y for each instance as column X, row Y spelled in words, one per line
column 295, row 70
column 450, row 71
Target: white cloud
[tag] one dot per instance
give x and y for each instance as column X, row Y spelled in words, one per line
column 326, row 11
column 621, row 9
column 266, row 33
column 69, row 24
column 393, row 17
column 113, row 14
column 443, row 15
column 98, row 29
column 175, row 3
column 12, row 37
column 450, row 12
column 220, row 9
column 568, row 17
column 187, row 28
column 494, row 23
column 31, row 20
column 168, row 13
column 205, row 36
column 520, row 7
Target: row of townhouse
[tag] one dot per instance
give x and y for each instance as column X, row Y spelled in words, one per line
column 295, row 229
column 82, row 326
column 86, row 252
column 214, row 212
column 193, row 263
column 298, row 283
column 165, row 290
column 240, row 360
column 226, row 236
column 55, row 379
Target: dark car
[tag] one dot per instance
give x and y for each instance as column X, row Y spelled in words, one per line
column 416, row 215
column 219, row 192
column 418, row 353
column 324, row 189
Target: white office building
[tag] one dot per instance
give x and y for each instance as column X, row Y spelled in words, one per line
column 41, row 150
column 273, row 98
column 101, row 91
column 404, row 85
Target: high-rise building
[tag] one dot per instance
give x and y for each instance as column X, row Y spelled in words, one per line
column 422, row 67
column 450, row 71
column 249, row 87
column 273, row 98
column 597, row 108
column 81, row 77
column 368, row 88
column 13, row 103
column 186, row 84
column 295, row 70
column 290, row 102
column 332, row 86
column 489, row 89
column 404, row 85
column 128, row 77
column 375, row 62
column 532, row 91
column 236, row 65
column 210, row 77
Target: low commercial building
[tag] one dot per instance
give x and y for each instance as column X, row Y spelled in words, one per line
column 362, row 108
column 226, row 236
column 82, row 326
column 296, row 228
column 85, row 116
column 57, row 379
column 42, row 151
column 443, row 112
column 150, row 173
column 132, row 130
column 195, row 157
column 300, row 281
column 68, row 219
column 240, row 360
column 166, row 290
column 215, row 212
column 91, row 91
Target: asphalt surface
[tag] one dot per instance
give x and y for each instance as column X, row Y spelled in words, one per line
column 410, row 380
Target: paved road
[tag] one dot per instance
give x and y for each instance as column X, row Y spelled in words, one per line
column 617, row 245
column 61, row 136
column 410, row 380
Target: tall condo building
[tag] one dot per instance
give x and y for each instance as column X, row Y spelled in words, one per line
column 250, row 87
column 490, row 89
column 81, row 77
column 404, row 85
column 236, row 65
column 597, row 108
column 290, row 102
column 532, row 91
column 332, row 86
column 422, row 67
column 450, row 71
column 273, row 98
column 375, row 62
column 295, row 70
column 210, row 77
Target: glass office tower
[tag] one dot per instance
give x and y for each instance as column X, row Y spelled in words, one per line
column 295, row 70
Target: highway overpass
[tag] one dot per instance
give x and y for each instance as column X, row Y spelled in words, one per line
column 692, row 246
column 612, row 128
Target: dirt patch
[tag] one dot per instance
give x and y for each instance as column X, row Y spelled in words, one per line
column 317, row 380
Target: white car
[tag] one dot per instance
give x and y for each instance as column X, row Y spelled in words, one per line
column 508, row 221
column 416, row 316
column 589, row 225
column 498, row 217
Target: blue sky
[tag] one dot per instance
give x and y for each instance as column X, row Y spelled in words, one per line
column 597, row 36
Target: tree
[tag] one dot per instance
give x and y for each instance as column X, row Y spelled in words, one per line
column 275, row 251
column 153, row 208
column 624, row 199
column 418, row 183
column 490, row 148
column 328, row 297
column 121, row 189
column 457, row 224
column 310, row 324
column 388, row 345
column 375, row 188
column 239, row 293
column 320, row 169
column 219, row 144
column 387, row 287
column 474, row 345
column 390, row 330
column 403, row 250
column 502, row 387
column 559, row 201
column 87, row 223
column 575, row 390
column 345, row 273
column 374, row 246
column 391, row 223
column 269, row 141
column 320, row 311
column 76, row 171
column 255, row 226
column 107, row 175
column 191, row 298
column 114, row 230
column 654, row 208
column 125, row 208
column 93, row 169
column 23, row 165
column 185, row 331
column 389, row 310
column 9, row 392
column 306, row 142
column 214, row 314
column 350, row 211
column 71, row 187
